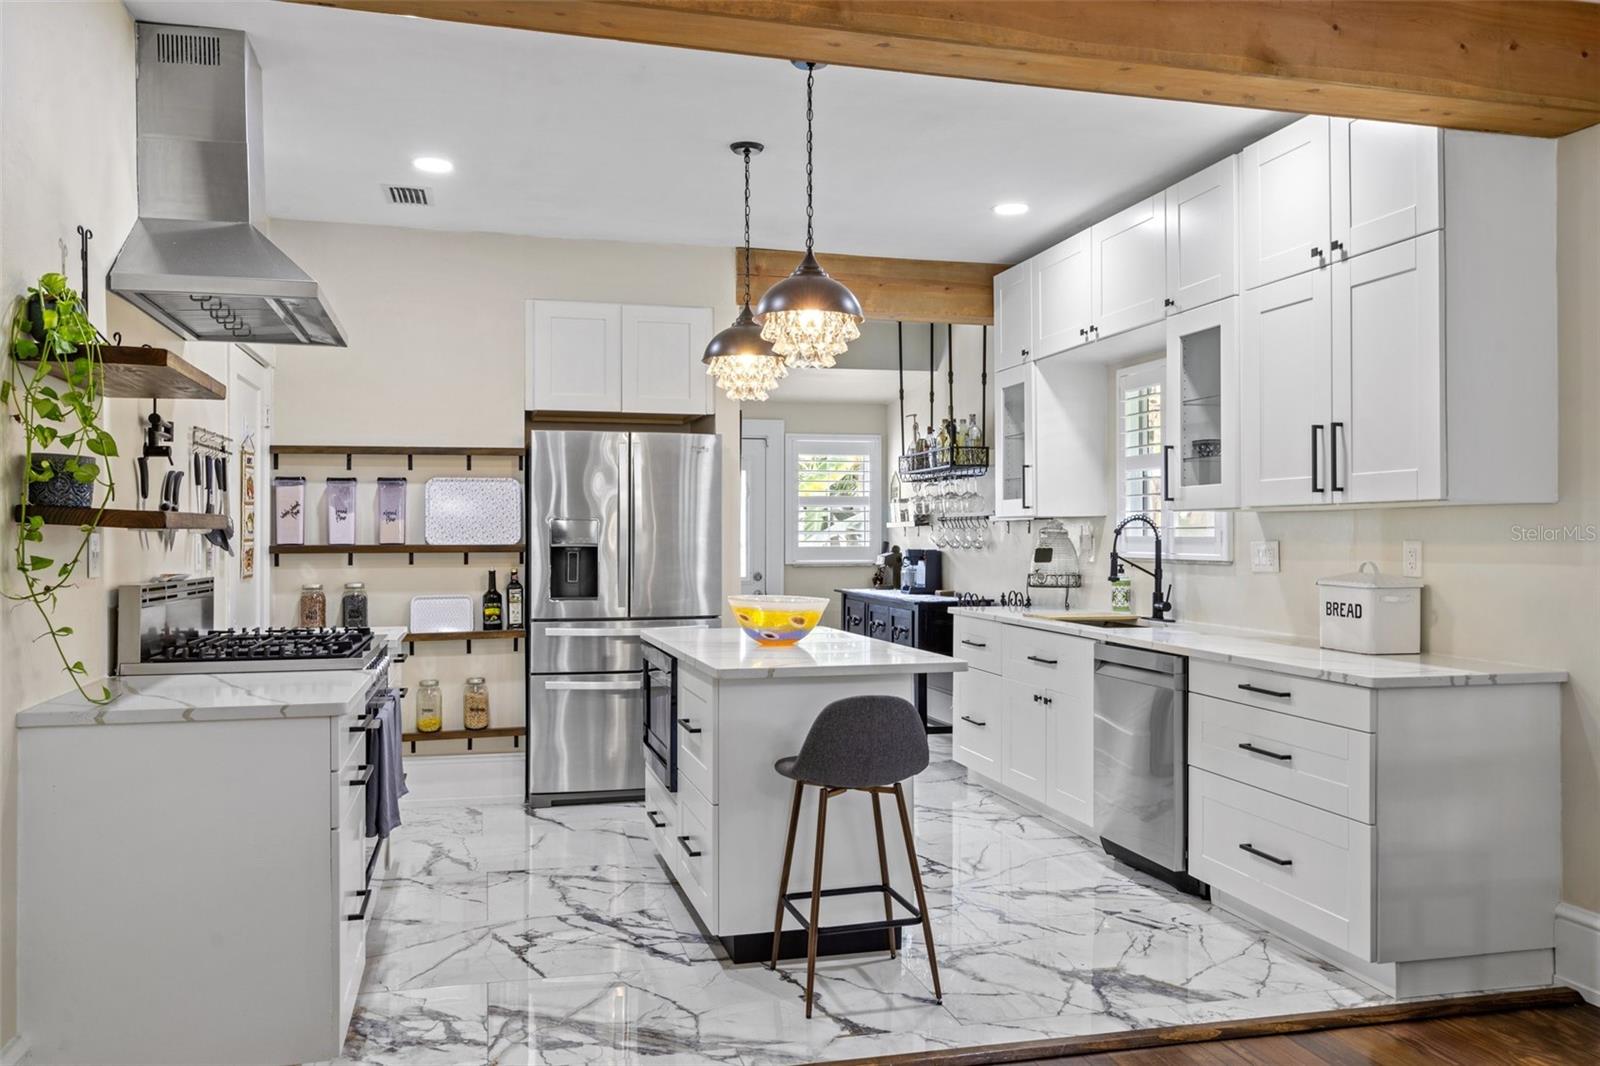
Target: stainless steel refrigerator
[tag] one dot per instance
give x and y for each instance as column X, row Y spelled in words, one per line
column 624, row 533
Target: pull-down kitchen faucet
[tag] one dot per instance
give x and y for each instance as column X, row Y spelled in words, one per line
column 1160, row 603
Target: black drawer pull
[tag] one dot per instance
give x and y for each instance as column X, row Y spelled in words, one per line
column 369, row 722
column 973, row 643
column 1280, row 756
column 1258, row 853
column 1258, row 690
column 652, row 816
column 366, row 773
column 693, row 854
column 974, row 721
column 1043, row 662
column 366, row 900
column 688, row 727
column 398, row 659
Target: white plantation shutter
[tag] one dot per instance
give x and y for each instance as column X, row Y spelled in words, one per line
column 1194, row 535
column 834, row 512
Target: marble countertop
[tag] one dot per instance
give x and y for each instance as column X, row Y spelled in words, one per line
column 154, row 698
column 727, row 654
column 901, row 597
column 1288, row 656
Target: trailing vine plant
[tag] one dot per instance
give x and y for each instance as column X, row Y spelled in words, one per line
column 52, row 389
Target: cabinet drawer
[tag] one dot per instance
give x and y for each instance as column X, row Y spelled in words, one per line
column 697, row 733
column 346, row 737
column 854, row 613
column 351, row 888
column 878, row 621
column 660, row 814
column 1326, row 766
column 693, row 845
column 978, row 641
column 1049, row 660
column 349, row 791
column 1299, row 864
column 979, row 709
column 900, row 627
column 1324, row 701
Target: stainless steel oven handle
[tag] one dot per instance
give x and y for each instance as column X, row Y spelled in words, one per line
column 594, row 686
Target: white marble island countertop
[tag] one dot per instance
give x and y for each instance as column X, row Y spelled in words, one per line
column 1287, row 656
column 727, row 654
column 154, row 698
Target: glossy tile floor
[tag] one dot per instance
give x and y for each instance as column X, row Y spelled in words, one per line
column 504, row 938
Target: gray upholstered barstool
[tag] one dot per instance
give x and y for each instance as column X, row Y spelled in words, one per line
column 858, row 744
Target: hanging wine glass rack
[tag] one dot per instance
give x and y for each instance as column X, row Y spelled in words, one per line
column 958, row 460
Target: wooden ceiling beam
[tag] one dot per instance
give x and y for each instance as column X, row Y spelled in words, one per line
column 1506, row 66
column 907, row 290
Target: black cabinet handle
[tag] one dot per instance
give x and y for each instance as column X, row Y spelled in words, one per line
column 974, row 721
column 1166, row 474
column 1083, row 332
column 684, row 841
column 1049, row 701
column 652, row 816
column 1035, row 697
column 1169, row 302
column 369, row 722
column 1336, row 245
column 366, row 900
column 1258, row 690
column 1280, row 756
column 1025, row 468
column 1316, row 253
column 1316, row 461
column 1258, row 853
column 1024, row 353
column 1334, row 429
column 973, row 643
column 1043, row 662
column 366, row 773
column 688, row 727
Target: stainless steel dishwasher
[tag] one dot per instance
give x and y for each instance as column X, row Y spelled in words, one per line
column 1140, row 761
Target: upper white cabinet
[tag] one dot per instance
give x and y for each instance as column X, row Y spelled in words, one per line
column 1013, row 315
column 1286, row 385
column 1128, row 268
column 1062, row 291
column 1385, row 183
column 1050, row 448
column 617, row 358
column 1283, row 203
column 661, row 367
column 1014, row 443
column 1202, row 425
column 1203, row 237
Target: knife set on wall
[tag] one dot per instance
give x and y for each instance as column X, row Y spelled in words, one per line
column 455, row 510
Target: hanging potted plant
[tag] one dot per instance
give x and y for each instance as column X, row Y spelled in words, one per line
column 52, row 390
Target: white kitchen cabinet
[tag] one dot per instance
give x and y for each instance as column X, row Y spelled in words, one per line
column 1386, row 184
column 1013, row 315
column 1386, row 430
column 661, row 368
column 1062, row 293
column 1203, row 237
column 1284, row 203
column 1071, row 404
column 1014, row 444
column 1201, row 463
column 1025, row 764
column 1285, row 388
column 1128, row 272
column 980, row 715
column 1071, row 734
column 574, row 356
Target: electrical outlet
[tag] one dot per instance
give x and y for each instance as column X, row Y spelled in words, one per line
column 1264, row 557
column 1411, row 558
column 92, row 555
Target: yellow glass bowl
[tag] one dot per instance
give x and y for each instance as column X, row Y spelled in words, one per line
column 777, row 621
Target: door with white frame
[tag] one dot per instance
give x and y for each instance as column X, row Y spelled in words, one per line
column 761, row 507
column 250, row 426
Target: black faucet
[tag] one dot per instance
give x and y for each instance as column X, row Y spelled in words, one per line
column 1160, row 603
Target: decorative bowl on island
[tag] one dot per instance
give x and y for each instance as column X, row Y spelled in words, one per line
column 777, row 621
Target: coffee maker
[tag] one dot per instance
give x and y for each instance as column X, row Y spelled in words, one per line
column 887, row 574
column 922, row 572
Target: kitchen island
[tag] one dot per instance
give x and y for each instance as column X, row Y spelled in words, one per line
column 739, row 708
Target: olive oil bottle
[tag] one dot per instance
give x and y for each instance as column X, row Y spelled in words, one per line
column 493, row 617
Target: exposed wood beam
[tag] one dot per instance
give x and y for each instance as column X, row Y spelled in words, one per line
column 910, row 290
column 1509, row 66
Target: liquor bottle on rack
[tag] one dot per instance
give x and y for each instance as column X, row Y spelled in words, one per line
column 492, row 607
column 514, row 619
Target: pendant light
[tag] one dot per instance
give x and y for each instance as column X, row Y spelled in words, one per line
column 742, row 364
column 809, row 317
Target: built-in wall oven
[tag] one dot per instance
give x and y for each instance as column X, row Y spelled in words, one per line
column 661, row 716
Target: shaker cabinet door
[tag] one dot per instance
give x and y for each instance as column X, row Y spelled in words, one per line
column 1026, row 760
column 1285, row 383
column 1129, row 268
column 1062, row 291
column 661, row 368
column 574, row 356
column 1014, row 494
column 1283, row 203
column 1386, row 183
column 1013, row 315
column 1203, row 237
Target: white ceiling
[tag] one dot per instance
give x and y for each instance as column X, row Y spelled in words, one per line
column 567, row 137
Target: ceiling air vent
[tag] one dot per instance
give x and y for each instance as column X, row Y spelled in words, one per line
column 412, row 195
column 192, row 49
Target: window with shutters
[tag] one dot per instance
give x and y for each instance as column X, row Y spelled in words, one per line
column 1199, row 536
column 835, row 511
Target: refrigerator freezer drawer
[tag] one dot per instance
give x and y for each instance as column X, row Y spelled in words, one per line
column 581, row 647
column 584, row 733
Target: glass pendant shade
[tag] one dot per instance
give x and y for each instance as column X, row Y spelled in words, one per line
column 743, row 364
column 809, row 317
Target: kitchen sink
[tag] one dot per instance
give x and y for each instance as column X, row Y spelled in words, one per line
column 1101, row 619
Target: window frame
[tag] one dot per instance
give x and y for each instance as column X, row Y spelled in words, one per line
column 1137, row 542
column 795, row 554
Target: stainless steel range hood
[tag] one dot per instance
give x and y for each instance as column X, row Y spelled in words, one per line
column 195, row 260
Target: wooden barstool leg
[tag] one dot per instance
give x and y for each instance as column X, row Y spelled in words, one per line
column 883, row 869
column 922, row 899
column 816, row 899
column 783, row 878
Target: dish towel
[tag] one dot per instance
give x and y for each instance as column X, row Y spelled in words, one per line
column 388, row 781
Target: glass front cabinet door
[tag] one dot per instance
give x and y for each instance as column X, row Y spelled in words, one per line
column 1200, row 462
column 1014, row 495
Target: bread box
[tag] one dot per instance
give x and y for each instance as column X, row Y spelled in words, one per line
column 1371, row 612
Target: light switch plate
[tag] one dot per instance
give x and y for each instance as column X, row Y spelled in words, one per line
column 1411, row 558
column 92, row 555
column 1263, row 557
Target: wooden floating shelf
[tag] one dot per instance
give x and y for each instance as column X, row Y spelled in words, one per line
column 132, row 372
column 469, row 735
column 411, row 551
column 123, row 518
column 469, row 636
column 349, row 451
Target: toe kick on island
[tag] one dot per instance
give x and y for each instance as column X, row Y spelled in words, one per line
column 718, row 812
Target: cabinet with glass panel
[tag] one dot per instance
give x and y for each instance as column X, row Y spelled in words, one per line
column 1200, row 457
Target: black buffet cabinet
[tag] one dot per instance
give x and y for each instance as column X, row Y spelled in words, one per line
column 902, row 618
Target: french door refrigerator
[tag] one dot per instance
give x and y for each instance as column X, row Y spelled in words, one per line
column 624, row 533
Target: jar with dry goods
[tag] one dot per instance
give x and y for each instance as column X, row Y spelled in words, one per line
column 313, row 607
column 475, row 704
column 430, row 707
column 353, row 606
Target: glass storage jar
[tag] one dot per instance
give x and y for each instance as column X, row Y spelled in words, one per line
column 475, row 704
column 313, row 607
column 430, row 707
column 353, row 607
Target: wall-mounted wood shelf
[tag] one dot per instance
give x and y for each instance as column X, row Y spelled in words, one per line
column 513, row 635
column 350, row 451
column 410, row 551
column 131, row 372
column 516, row 732
column 123, row 518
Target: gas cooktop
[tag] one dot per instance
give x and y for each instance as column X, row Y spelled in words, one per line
column 257, row 650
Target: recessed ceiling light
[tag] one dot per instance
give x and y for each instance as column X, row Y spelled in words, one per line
column 1010, row 208
column 432, row 164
